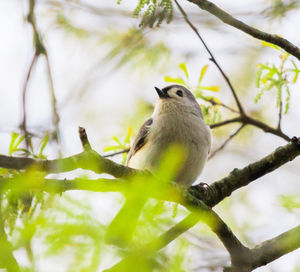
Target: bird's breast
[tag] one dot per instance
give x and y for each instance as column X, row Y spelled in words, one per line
column 189, row 133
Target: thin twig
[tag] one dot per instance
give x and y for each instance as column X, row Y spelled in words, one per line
column 226, row 142
column 226, row 122
column 266, row 128
column 247, row 120
column 279, row 116
column 212, row 58
column 116, row 153
column 254, row 32
column 217, row 103
column 243, row 118
column 53, row 101
column 40, row 49
column 23, row 125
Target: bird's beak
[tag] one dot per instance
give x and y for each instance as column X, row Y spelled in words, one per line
column 161, row 93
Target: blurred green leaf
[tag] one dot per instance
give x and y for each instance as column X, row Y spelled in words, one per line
column 211, row 88
column 16, row 140
column 290, row 202
column 202, row 73
column 43, row 144
column 271, row 45
column 182, row 66
column 174, row 80
column 279, row 78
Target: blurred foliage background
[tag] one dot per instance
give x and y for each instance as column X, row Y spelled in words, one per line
column 105, row 57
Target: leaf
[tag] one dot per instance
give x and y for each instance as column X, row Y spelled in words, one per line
column 110, row 148
column 14, row 136
column 183, row 67
column 128, row 136
column 269, row 75
column 43, row 144
column 296, row 71
column 290, row 202
column 287, row 100
column 202, row 73
column 211, row 88
column 270, row 45
column 174, row 80
column 15, row 142
column 258, row 76
column 115, row 138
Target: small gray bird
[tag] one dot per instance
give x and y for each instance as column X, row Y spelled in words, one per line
column 177, row 119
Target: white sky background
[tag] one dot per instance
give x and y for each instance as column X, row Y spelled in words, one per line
column 114, row 94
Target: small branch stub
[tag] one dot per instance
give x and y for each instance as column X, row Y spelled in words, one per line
column 84, row 139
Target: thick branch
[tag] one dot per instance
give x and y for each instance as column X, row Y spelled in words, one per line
column 254, row 32
column 242, row 177
column 89, row 159
column 272, row 249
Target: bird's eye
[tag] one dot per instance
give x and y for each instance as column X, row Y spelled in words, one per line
column 179, row 93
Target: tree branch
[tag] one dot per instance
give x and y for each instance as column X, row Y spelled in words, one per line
column 116, row 153
column 90, row 159
column 40, row 49
column 254, row 32
column 212, row 58
column 23, row 125
column 272, row 249
column 243, row 117
column 226, row 142
column 242, row 177
column 56, row 117
column 247, row 120
column 266, row 128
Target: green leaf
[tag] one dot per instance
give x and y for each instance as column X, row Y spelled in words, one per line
column 115, row 138
column 128, row 135
column 174, row 80
column 202, row 73
column 110, row 148
column 258, row 76
column 43, row 144
column 290, row 202
column 14, row 137
column 296, row 71
column 211, row 88
column 183, row 67
column 287, row 100
column 271, row 45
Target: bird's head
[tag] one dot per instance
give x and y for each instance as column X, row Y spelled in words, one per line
column 177, row 97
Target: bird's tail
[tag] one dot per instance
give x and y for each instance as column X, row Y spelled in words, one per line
column 122, row 227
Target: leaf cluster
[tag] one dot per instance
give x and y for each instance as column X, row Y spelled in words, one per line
column 154, row 12
column 133, row 48
column 16, row 149
column 277, row 77
column 205, row 93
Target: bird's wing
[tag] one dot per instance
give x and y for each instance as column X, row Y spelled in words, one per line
column 140, row 139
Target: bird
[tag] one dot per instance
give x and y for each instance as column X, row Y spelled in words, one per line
column 177, row 119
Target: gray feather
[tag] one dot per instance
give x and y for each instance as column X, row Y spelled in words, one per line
column 140, row 139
